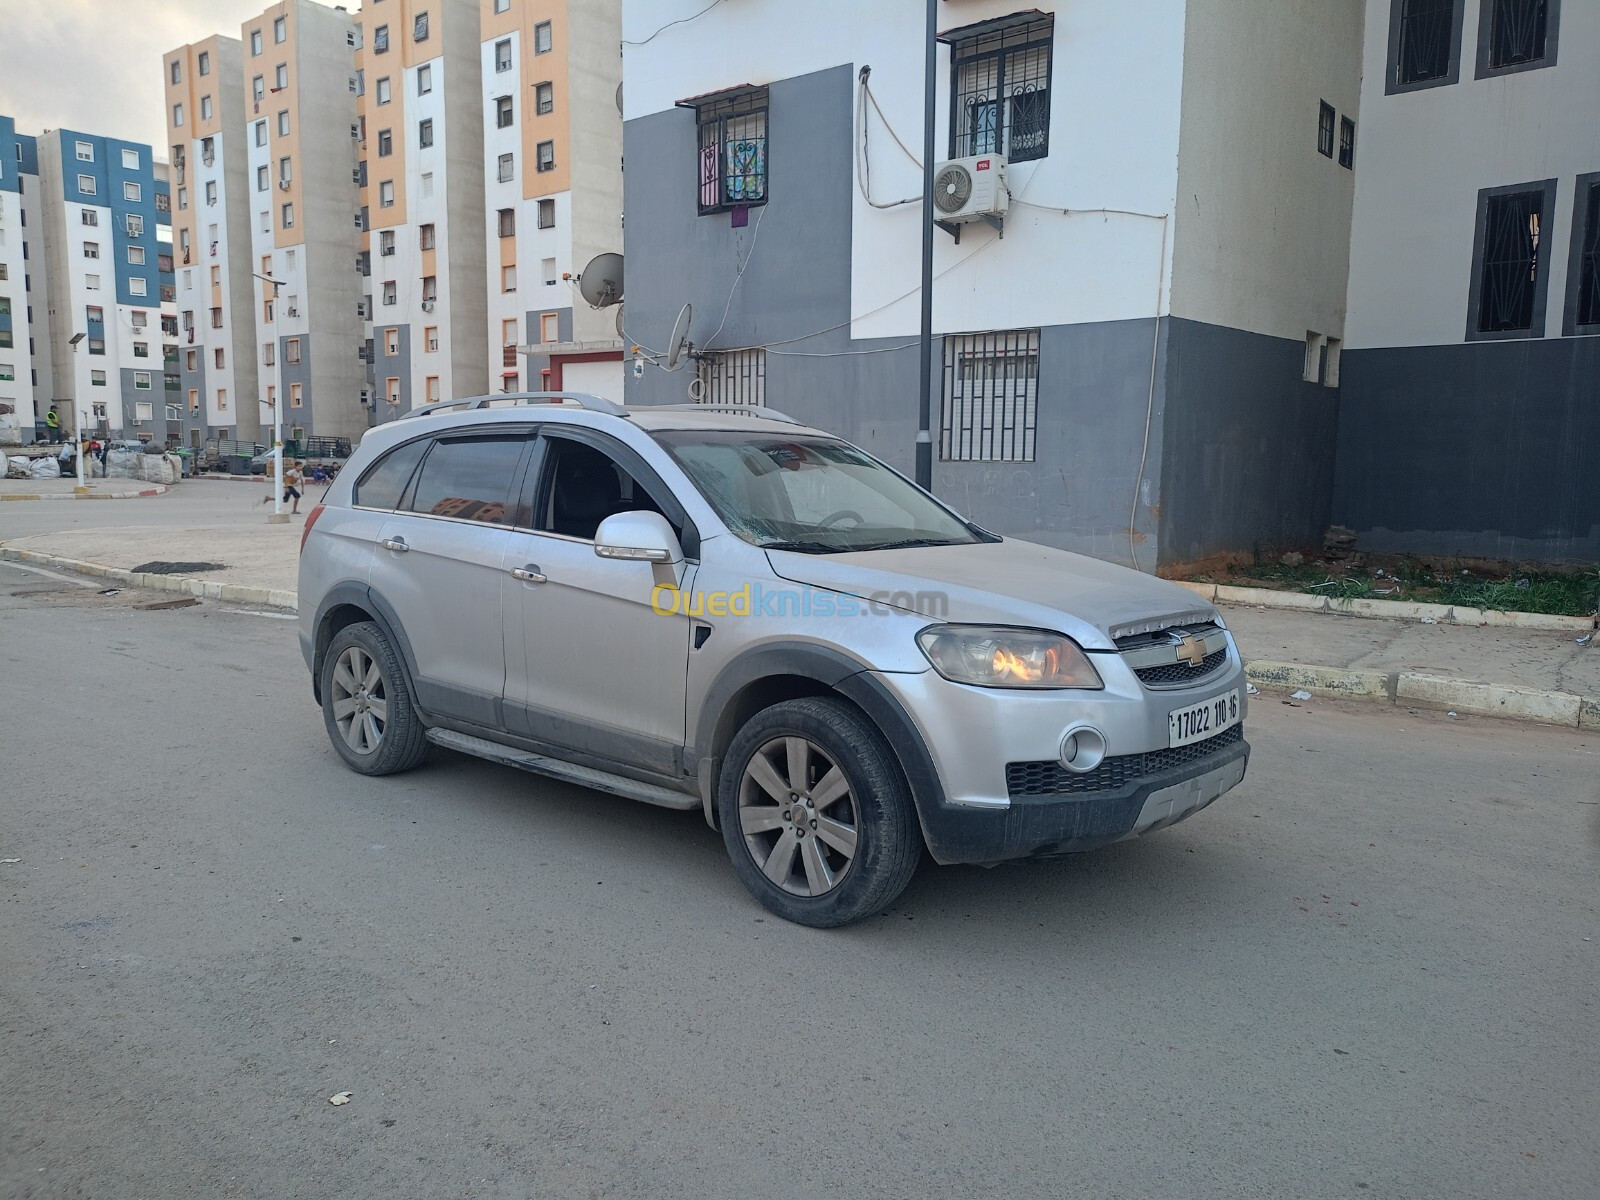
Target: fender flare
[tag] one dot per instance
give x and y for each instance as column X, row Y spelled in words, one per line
column 360, row 595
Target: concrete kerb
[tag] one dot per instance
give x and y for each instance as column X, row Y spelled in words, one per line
column 206, row 589
column 1389, row 610
column 159, row 489
column 1414, row 689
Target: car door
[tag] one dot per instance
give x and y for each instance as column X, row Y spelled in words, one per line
column 438, row 567
column 602, row 671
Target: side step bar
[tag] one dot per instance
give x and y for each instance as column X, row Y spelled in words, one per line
column 554, row 768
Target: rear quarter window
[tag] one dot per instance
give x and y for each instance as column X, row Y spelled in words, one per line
column 385, row 481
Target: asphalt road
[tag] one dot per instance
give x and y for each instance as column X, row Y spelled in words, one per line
column 1367, row 973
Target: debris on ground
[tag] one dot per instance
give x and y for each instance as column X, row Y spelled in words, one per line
column 1586, row 639
column 109, row 591
column 1300, row 695
column 1430, row 620
column 340, row 1098
column 5, row 861
column 1252, row 690
column 1450, row 714
column 160, row 567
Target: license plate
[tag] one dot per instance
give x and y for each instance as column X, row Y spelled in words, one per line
column 1200, row 721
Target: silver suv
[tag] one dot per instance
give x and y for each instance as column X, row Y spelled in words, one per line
column 721, row 609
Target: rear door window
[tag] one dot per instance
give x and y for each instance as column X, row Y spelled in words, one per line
column 470, row 479
column 383, row 485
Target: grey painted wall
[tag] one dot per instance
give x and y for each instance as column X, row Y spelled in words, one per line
column 1248, row 445
column 195, row 379
column 532, row 364
column 385, row 365
column 300, row 373
column 1481, row 449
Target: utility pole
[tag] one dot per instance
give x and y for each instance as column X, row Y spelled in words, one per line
column 82, row 487
column 925, row 345
column 278, row 517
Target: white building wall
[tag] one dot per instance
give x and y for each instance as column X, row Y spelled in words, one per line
column 17, row 392
column 1423, row 156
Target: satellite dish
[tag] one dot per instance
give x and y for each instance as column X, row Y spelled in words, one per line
column 619, row 99
column 621, row 333
column 680, row 336
column 601, row 281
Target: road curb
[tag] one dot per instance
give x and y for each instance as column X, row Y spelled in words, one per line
column 1417, row 689
column 159, row 489
column 205, row 589
column 1388, row 610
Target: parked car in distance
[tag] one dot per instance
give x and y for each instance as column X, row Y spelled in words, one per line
column 717, row 608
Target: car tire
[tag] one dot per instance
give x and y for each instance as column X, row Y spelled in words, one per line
column 816, row 768
column 373, row 725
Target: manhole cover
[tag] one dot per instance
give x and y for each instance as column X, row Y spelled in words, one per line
column 177, row 568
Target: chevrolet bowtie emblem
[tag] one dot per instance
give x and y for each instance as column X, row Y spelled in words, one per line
column 1191, row 650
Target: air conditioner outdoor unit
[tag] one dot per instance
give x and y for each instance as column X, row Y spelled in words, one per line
column 971, row 189
column 283, row 185
column 293, row 312
column 385, row 251
column 355, row 174
column 427, row 306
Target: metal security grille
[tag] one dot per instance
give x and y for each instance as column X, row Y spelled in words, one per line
column 1325, row 130
column 1347, row 143
column 1517, row 31
column 1000, row 93
column 991, row 397
column 733, row 151
column 1511, row 241
column 733, row 377
column 1425, row 29
column 1589, row 260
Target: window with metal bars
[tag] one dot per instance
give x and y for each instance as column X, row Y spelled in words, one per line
column 991, row 397
column 1000, row 90
column 1347, row 143
column 1509, row 268
column 1424, row 43
column 1516, row 35
column 1325, row 130
column 733, row 377
column 1583, row 271
column 732, row 151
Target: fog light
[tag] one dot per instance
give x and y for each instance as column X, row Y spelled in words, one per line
column 1083, row 748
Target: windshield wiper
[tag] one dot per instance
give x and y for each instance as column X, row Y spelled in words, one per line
column 803, row 547
column 908, row 543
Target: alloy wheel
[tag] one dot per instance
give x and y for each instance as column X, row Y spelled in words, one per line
column 798, row 816
column 360, row 700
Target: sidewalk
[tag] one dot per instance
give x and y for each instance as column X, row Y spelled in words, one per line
column 1545, row 676
column 64, row 489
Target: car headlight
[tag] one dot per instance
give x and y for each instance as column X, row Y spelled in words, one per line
column 1007, row 658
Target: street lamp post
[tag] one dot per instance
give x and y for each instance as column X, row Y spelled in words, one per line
column 278, row 517
column 77, row 420
column 925, row 342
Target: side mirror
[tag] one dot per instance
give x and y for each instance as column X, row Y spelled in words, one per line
column 639, row 535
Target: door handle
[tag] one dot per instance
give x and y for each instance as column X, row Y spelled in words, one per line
column 397, row 544
column 528, row 574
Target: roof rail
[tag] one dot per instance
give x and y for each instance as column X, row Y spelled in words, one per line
column 593, row 403
column 754, row 410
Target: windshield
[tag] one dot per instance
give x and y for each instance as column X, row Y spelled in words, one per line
column 811, row 494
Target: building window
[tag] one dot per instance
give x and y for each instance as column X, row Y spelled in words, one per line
column 544, row 98
column 175, row 71
column 547, row 156
column 991, row 397
column 430, row 287
column 141, row 349
column 508, row 277
column 138, row 286
column 501, row 6
column 91, row 249
column 288, row 216
column 91, row 217
column 419, row 27
column 91, row 283
column 262, row 182
column 547, row 270
column 430, row 339
column 268, row 356
column 507, row 168
column 1510, row 261
column 386, row 194
column 547, row 214
column 1000, row 91
column 291, row 350
column 163, row 202
column 143, row 410
column 205, row 108
column 141, row 380
column 216, row 318
column 508, row 222
column 222, row 399
column 85, row 152
column 391, row 390
column 380, row 40
column 1347, row 143
column 297, row 395
column 733, row 377
column 1325, row 130
column 388, row 291
column 424, row 79
column 177, row 116
column 385, row 143
column 508, row 335
column 280, row 29
column 261, row 133
column 391, row 342
column 502, row 55
column 136, row 256
column 732, row 140
column 385, row 243
column 204, row 63
column 258, row 88
column 1517, row 35
column 425, row 237
column 86, row 184
column 283, row 124
column 425, row 133
column 427, row 185
column 219, row 358
column 1583, row 270
column 283, row 76
column 502, row 112
column 430, row 389
column 194, row 399
column 135, row 224
column 1424, row 44
column 255, row 42
column 384, row 95
column 130, row 160
column 549, row 328
column 133, row 192
column 541, row 38
column 211, row 191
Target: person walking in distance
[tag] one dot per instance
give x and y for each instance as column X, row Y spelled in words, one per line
column 293, row 479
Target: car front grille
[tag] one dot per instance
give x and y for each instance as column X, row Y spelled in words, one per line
column 1182, row 674
column 1050, row 778
column 1152, row 656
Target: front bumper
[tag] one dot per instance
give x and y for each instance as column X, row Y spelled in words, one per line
column 1042, row 826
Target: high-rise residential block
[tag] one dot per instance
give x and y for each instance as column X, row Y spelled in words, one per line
column 25, row 364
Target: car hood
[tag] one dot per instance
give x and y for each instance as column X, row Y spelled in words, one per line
column 1009, row 582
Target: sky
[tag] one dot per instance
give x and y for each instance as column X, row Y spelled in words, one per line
column 95, row 65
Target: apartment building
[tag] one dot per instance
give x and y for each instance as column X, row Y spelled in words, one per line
column 218, row 354
column 420, row 174
column 300, row 122
column 1140, row 225
column 25, row 363
column 552, row 163
column 104, row 235
column 1472, row 357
